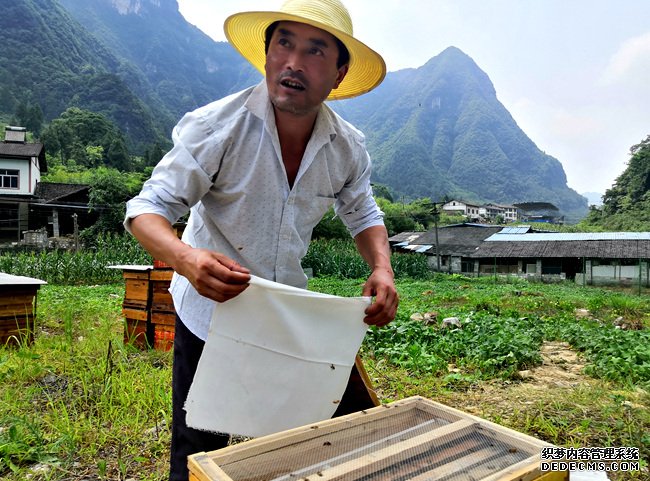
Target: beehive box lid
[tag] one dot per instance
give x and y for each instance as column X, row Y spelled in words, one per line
column 131, row 267
column 413, row 439
column 11, row 280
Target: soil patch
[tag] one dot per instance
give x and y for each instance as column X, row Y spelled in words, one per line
column 561, row 370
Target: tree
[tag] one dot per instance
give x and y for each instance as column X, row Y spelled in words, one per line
column 30, row 116
column 380, row 190
column 75, row 130
column 330, row 227
column 109, row 191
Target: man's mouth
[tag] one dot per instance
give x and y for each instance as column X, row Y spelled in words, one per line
column 292, row 84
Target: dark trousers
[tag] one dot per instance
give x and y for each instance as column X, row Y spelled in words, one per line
column 185, row 440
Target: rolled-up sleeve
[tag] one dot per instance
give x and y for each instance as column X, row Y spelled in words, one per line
column 180, row 179
column 355, row 205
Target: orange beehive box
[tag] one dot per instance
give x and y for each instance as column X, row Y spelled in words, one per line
column 163, row 314
column 161, row 299
column 136, row 289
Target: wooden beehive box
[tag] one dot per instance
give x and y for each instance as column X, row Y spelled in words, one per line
column 148, row 309
column 163, row 314
column 136, row 305
column 414, row 439
column 136, row 288
column 18, row 295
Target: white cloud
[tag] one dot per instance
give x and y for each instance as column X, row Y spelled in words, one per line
column 631, row 62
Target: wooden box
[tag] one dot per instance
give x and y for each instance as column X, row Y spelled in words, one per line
column 148, row 309
column 136, row 289
column 136, row 305
column 18, row 296
column 137, row 328
column 414, row 439
column 163, row 314
column 161, row 299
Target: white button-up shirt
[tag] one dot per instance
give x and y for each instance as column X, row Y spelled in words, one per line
column 226, row 168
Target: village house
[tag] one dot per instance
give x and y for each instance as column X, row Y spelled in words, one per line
column 21, row 165
column 456, row 244
column 507, row 213
column 539, row 212
column 456, row 207
column 488, row 250
column 31, row 210
column 589, row 257
column 486, row 212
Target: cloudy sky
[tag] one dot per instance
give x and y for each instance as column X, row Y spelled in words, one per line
column 574, row 74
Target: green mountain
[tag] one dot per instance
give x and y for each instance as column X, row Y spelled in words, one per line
column 49, row 60
column 182, row 65
column 626, row 206
column 439, row 130
column 434, row 131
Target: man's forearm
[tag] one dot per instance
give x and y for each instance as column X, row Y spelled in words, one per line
column 157, row 236
column 372, row 244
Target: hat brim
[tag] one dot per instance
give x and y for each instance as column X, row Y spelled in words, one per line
column 245, row 31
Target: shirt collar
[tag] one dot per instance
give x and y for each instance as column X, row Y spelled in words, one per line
column 259, row 105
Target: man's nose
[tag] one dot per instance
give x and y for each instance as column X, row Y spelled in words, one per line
column 295, row 60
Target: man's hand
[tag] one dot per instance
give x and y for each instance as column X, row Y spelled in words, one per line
column 212, row 274
column 381, row 286
column 372, row 244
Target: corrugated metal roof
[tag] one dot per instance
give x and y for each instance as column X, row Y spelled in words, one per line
column 417, row 248
column 604, row 249
column 565, row 236
column 522, row 229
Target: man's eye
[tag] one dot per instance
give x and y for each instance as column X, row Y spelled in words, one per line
column 316, row 51
column 283, row 41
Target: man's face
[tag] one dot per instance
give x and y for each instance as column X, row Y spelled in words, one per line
column 301, row 67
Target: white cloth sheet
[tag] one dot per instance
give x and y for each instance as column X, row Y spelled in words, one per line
column 276, row 357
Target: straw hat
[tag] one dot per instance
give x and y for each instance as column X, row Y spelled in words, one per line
column 245, row 31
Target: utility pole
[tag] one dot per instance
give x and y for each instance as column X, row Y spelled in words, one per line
column 76, row 232
column 436, row 214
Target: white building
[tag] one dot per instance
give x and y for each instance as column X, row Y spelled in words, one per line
column 21, row 164
column 455, row 207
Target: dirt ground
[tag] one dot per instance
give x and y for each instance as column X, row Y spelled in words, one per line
column 561, row 369
column 547, row 396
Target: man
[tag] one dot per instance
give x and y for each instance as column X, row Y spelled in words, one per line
column 258, row 170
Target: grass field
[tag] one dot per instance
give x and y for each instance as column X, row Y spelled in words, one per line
column 567, row 364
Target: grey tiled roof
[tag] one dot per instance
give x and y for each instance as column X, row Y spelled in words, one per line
column 51, row 191
column 18, row 149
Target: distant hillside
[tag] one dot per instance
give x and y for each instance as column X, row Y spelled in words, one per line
column 184, row 68
column 51, row 61
column 440, row 130
column 434, row 131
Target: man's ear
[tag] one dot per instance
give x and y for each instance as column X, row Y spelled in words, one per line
column 342, row 72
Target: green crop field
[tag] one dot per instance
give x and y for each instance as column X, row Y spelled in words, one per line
column 564, row 363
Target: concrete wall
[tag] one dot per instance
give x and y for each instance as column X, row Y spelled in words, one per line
column 614, row 274
column 24, row 182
